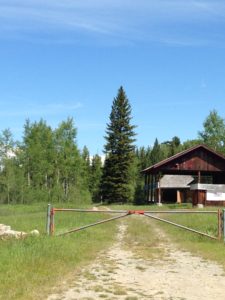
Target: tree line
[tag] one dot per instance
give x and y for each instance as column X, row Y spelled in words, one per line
column 48, row 166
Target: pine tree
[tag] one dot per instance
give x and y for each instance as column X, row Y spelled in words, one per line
column 143, row 158
column 156, row 154
column 174, row 146
column 117, row 181
column 95, row 178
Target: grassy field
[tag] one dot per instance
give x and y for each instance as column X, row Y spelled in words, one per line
column 30, row 267
column 197, row 244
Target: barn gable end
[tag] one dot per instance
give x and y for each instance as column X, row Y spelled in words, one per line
column 205, row 165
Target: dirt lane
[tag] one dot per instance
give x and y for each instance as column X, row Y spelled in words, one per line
column 118, row 274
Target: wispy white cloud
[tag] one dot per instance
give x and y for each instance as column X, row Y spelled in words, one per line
column 172, row 104
column 38, row 110
column 128, row 19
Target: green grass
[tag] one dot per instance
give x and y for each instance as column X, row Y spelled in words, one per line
column 30, row 267
column 209, row 249
column 197, row 244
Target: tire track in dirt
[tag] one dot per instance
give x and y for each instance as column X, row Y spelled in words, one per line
column 119, row 274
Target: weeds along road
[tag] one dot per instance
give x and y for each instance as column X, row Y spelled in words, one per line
column 132, row 269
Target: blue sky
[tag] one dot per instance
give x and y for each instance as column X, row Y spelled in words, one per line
column 61, row 58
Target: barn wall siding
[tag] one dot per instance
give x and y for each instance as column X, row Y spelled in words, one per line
column 201, row 162
column 197, row 161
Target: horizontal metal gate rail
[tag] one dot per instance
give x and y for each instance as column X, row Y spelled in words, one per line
column 148, row 213
column 93, row 224
column 137, row 211
column 182, row 226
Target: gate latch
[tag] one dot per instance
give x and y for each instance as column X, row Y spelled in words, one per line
column 136, row 212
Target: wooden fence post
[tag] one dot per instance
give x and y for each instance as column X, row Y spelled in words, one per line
column 48, row 219
column 52, row 225
column 223, row 224
column 220, row 224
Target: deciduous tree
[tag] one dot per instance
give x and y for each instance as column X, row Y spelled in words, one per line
column 213, row 133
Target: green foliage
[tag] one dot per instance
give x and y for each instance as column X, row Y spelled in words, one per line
column 68, row 163
column 9, row 172
column 95, row 178
column 86, row 166
column 38, row 154
column 213, row 133
column 119, row 150
column 6, row 144
column 143, row 160
column 156, row 154
column 174, row 146
column 191, row 143
column 46, row 166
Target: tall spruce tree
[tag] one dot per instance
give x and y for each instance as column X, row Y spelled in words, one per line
column 117, row 179
column 95, row 178
column 156, row 154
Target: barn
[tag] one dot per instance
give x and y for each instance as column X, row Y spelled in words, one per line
column 196, row 175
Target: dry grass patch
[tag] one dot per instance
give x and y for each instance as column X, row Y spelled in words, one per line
column 119, row 290
column 142, row 239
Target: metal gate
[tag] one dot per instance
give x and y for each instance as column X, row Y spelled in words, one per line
column 153, row 214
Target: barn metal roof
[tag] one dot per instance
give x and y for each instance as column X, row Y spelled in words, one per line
column 176, row 181
column 216, row 188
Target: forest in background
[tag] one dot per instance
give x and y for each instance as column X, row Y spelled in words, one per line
column 48, row 166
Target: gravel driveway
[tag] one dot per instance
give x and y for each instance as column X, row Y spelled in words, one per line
column 119, row 274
